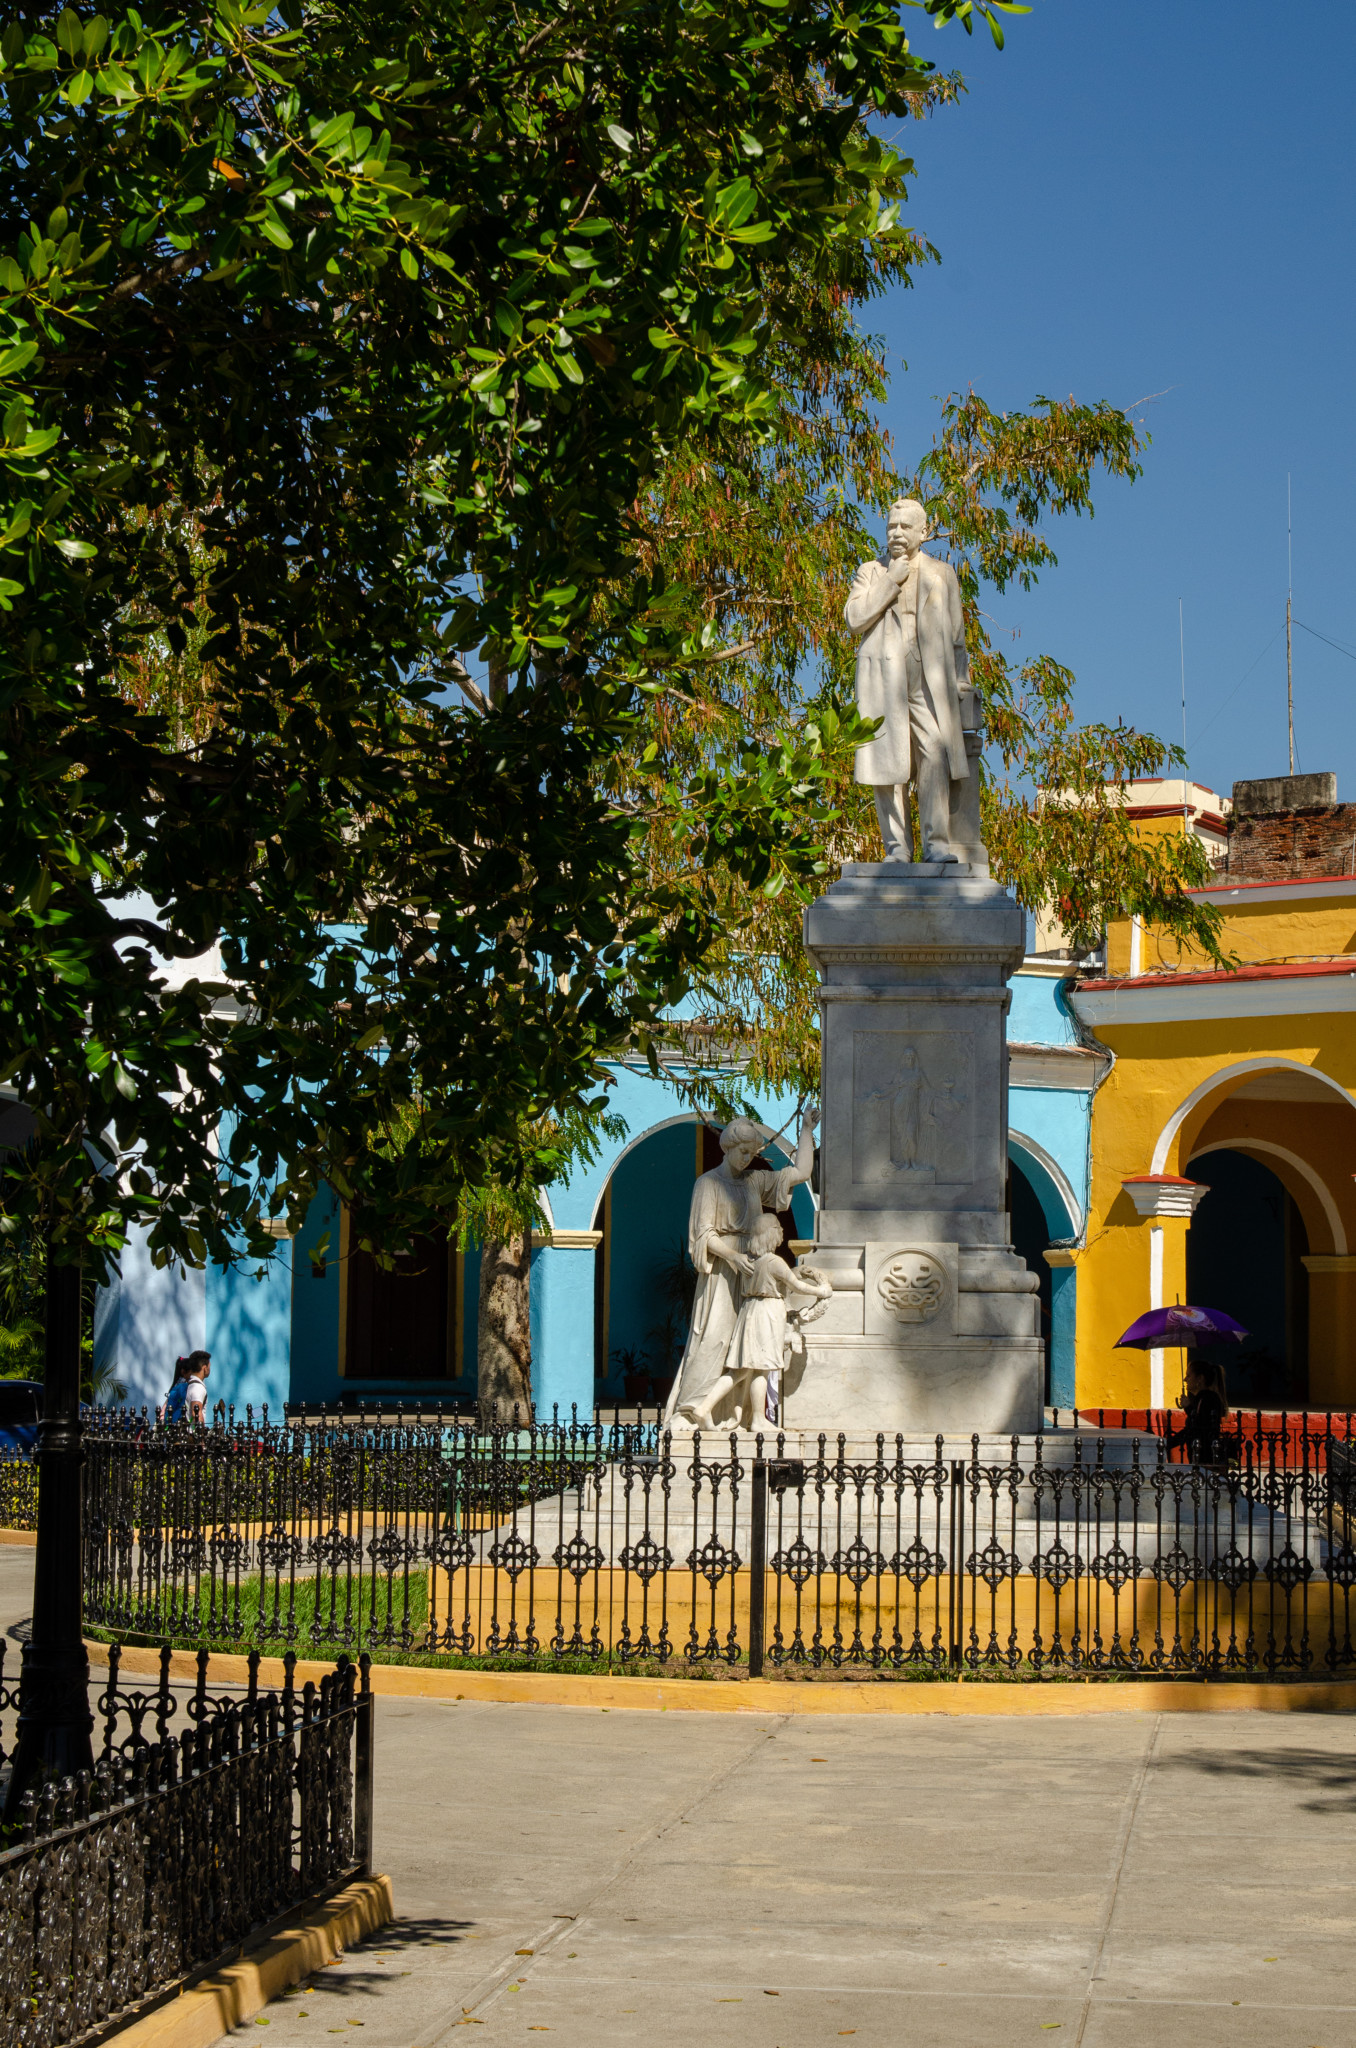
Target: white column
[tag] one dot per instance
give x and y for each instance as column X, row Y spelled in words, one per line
column 1156, row 1395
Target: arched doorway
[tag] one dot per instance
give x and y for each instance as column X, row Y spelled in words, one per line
column 644, row 1280
column 1258, row 1130
column 1044, row 1217
column 1031, row 1241
column 1245, row 1254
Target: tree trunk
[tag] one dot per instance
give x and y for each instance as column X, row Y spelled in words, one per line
column 504, row 1332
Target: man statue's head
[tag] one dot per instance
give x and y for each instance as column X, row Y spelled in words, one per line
column 906, row 528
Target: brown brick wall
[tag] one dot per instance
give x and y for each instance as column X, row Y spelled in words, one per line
column 1295, row 843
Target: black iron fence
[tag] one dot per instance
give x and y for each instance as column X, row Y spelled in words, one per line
column 1040, row 1557
column 121, row 1884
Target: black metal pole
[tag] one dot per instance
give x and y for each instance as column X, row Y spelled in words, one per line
column 362, row 1771
column 55, row 1721
column 758, row 1567
column 957, row 1554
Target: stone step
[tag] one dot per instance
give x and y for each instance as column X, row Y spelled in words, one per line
column 1111, row 1448
column 584, row 1525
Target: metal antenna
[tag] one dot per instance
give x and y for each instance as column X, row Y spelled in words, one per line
column 1181, row 646
column 1289, row 596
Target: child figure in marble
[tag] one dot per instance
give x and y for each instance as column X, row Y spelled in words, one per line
column 725, row 1204
column 757, row 1350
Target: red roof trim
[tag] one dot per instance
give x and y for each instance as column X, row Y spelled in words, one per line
column 1285, row 970
column 1209, row 821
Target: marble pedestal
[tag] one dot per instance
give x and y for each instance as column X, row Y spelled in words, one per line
column 934, row 1323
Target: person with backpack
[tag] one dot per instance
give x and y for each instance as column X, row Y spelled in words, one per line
column 187, row 1397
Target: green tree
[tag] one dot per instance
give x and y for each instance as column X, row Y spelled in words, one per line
column 768, row 538
column 336, row 352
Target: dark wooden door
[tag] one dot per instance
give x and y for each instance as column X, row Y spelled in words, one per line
column 400, row 1322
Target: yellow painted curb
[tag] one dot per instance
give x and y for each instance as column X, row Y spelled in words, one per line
column 25, row 1539
column 786, row 1696
column 234, row 1994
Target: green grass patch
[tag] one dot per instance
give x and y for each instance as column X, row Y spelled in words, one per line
column 273, row 1618
column 390, row 1621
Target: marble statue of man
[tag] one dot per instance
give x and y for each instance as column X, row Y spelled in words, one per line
column 725, row 1203
column 912, row 672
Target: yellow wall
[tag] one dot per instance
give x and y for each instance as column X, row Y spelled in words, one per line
column 1158, row 1066
column 1254, row 930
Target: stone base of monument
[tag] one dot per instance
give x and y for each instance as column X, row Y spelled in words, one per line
column 934, row 1324
column 921, row 1337
column 937, row 1387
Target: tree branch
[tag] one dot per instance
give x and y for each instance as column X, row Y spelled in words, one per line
column 461, row 676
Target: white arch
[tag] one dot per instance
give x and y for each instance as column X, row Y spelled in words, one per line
column 1261, row 1065
column 1072, row 1205
column 666, row 1124
column 1302, row 1168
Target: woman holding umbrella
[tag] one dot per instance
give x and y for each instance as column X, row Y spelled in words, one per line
column 1205, row 1404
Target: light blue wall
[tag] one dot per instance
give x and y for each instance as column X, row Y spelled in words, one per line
column 1051, row 1127
column 643, row 1103
column 277, row 1337
column 150, row 1316
column 147, row 1318
column 1039, row 1014
column 249, row 1332
column 1063, row 1329
column 561, row 1301
column 315, row 1306
column 1056, row 1120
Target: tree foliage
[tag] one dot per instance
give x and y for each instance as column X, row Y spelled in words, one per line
column 337, row 348
column 770, row 535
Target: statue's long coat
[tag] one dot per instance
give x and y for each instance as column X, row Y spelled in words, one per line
column 880, row 610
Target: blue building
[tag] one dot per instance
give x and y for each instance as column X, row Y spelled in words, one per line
column 608, row 1267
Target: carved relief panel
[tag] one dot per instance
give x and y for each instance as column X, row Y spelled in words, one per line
column 913, row 1108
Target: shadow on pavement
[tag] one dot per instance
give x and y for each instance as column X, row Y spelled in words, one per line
column 393, row 1943
column 366, row 1969
column 1333, row 1778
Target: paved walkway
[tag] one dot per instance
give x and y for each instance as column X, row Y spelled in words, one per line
column 768, row 1882
column 666, row 1878
column 16, row 1595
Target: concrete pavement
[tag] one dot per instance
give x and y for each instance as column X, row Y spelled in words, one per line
column 650, row 1878
column 16, row 1594
column 934, row 1882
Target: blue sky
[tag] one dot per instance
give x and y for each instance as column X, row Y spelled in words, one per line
column 1154, row 199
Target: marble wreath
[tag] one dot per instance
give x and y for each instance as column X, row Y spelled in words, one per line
column 721, row 1379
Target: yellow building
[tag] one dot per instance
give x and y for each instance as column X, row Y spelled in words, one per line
column 1223, row 1135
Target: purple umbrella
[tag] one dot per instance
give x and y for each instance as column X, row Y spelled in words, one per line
column 1180, row 1324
